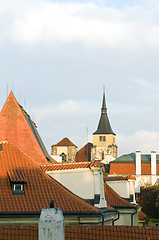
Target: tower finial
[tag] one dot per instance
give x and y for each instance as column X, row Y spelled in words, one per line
column 104, row 103
column 103, row 87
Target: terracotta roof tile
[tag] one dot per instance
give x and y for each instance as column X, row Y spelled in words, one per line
column 110, row 233
column 129, row 168
column 17, row 127
column 39, row 187
column 142, row 215
column 122, row 168
column 84, row 233
column 113, row 199
column 119, row 178
column 65, row 142
column 75, row 165
column 84, row 154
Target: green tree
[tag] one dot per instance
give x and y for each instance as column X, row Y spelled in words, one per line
column 148, row 199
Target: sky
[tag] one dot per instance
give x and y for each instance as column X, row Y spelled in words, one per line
column 56, row 55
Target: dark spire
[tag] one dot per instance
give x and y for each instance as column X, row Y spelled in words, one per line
column 104, row 124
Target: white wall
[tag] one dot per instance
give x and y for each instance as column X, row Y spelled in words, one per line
column 84, row 182
column 76, row 181
column 120, row 187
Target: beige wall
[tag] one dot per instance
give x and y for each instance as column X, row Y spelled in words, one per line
column 70, row 152
column 107, row 147
column 110, row 138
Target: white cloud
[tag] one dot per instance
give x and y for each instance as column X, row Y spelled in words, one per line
column 66, row 109
column 142, row 140
column 43, row 22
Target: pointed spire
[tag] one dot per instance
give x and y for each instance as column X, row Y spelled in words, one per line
column 104, row 109
column 104, row 124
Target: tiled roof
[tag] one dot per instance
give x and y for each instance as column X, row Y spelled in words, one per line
column 17, row 127
column 84, row 233
column 84, row 154
column 66, row 166
column 113, row 199
column 111, row 233
column 142, row 215
column 122, row 168
column 39, row 187
column 65, row 142
column 18, row 232
column 119, row 178
column 130, row 169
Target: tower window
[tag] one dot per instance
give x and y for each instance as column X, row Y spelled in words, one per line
column 102, row 138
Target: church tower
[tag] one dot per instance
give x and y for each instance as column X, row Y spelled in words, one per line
column 104, row 139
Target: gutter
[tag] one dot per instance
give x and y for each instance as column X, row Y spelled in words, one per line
column 116, row 218
column 132, row 215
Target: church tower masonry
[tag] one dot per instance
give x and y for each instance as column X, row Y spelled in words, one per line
column 104, row 139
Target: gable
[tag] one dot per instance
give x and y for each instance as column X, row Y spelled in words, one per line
column 17, row 127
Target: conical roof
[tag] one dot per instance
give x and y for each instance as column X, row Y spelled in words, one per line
column 104, row 124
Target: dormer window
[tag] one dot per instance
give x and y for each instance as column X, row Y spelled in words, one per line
column 18, row 189
column 17, row 180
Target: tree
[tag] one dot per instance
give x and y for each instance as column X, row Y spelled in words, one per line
column 148, row 199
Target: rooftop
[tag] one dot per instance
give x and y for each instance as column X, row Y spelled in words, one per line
column 67, row 166
column 65, row 142
column 113, row 199
column 84, row 233
column 39, row 188
column 17, row 127
column 84, row 154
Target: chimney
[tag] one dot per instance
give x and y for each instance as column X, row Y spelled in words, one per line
column 138, row 162
column 153, row 162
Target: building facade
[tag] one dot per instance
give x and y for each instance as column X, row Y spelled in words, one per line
column 64, row 151
column 104, row 139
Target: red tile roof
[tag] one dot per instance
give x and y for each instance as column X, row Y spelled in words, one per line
column 65, row 142
column 18, row 233
column 122, row 168
column 119, row 178
column 113, row 199
column 39, row 187
column 66, row 166
column 84, row 233
column 111, row 233
column 142, row 215
column 84, row 154
column 129, row 168
column 17, row 127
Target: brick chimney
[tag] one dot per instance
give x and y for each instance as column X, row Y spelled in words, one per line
column 138, row 162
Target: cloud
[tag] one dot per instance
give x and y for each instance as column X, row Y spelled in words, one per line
column 66, row 109
column 44, row 22
column 143, row 140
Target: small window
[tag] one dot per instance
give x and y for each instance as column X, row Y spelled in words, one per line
column 18, row 189
column 102, row 138
column 63, row 155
